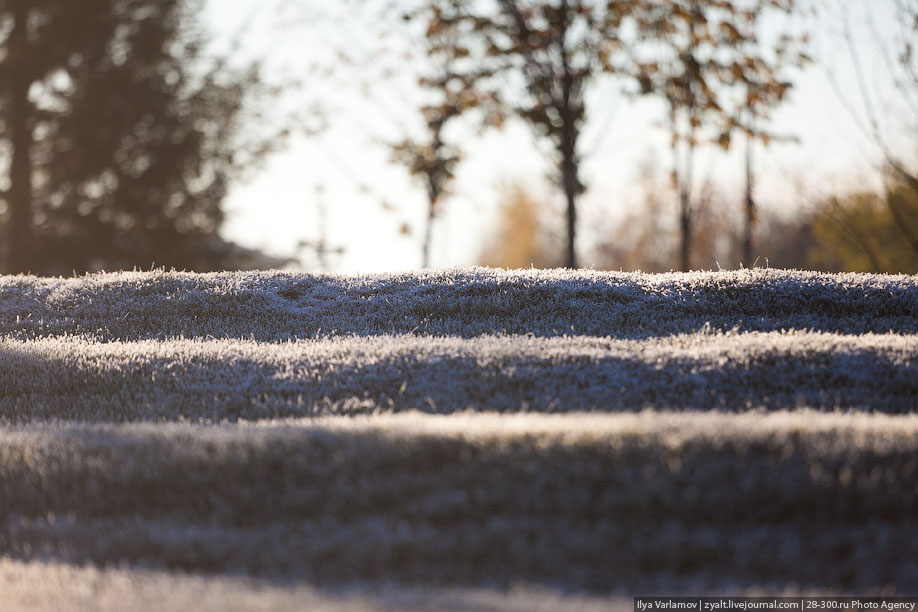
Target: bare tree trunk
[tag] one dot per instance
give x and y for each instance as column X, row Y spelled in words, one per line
column 683, row 177
column 428, row 233
column 568, row 145
column 685, row 227
column 20, row 192
column 750, row 205
column 570, row 192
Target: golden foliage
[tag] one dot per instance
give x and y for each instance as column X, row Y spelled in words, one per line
column 867, row 232
column 520, row 239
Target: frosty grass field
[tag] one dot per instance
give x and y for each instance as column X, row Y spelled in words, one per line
column 465, row 439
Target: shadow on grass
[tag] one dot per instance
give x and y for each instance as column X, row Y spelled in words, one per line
column 197, row 381
column 591, row 512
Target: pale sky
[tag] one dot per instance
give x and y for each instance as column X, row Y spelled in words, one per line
column 344, row 170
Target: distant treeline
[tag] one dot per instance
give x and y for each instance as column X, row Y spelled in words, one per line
column 858, row 232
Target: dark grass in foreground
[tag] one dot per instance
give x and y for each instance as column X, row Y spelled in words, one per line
column 600, row 503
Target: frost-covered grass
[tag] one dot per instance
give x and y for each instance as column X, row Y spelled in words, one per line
column 229, row 379
column 585, row 502
column 453, row 434
column 271, row 307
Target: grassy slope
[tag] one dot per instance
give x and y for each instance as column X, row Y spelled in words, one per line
column 273, row 307
column 232, row 379
column 138, row 407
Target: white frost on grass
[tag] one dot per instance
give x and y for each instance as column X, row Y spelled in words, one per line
column 217, row 379
column 279, row 426
column 278, row 306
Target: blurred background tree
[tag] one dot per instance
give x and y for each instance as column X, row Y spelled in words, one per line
column 643, row 239
column 722, row 72
column 537, row 59
column 432, row 159
column 646, row 238
column 542, row 57
column 122, row 136
column 695, row 55
column 888, row 122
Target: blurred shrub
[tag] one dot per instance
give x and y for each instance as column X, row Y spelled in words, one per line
column 521, row 238
column 867, row 232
